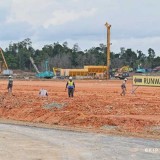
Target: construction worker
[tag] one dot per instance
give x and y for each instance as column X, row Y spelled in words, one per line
column 71, row 87
column 123, row 87
column 43, row 93
column 10, row 84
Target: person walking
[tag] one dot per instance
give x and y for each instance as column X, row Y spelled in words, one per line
column 71, row 87
column 123, row 87
column 10, row 84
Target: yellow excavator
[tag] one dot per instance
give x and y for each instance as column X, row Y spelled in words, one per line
column 126, row 69
column 123, row 72
column 3, row 65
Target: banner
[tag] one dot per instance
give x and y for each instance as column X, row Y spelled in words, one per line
column 146, row 81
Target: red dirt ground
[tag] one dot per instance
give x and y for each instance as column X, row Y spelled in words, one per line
column 96, row 104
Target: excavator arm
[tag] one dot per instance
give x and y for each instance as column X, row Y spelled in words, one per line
column 3, row 60
column 34, row 65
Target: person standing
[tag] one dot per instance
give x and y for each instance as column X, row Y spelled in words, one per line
column 123, row 87
column 10, row 84
column 71, row 87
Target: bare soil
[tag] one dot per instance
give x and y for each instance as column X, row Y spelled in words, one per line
column 96, row 105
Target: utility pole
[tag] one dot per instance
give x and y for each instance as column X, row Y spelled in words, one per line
column 108, row 26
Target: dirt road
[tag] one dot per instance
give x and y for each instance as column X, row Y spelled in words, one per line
column 31, row 143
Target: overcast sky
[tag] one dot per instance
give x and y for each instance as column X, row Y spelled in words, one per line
column 135, row 23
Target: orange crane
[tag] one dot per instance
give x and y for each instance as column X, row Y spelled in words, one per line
column 3, row 63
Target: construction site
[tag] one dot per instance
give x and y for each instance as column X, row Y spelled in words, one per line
column 96, row 105
column 79, row 80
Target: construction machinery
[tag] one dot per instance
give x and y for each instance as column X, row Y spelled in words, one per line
column 140, row 69
column 126, row 69
column 123, row 72
column 89, row 71
column 108, row 26
column 34, row 65
column 122, row 75
column 3, row 65
column 57, row 71
column 46, row 74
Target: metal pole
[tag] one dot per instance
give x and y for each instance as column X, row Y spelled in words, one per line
column 108, row 49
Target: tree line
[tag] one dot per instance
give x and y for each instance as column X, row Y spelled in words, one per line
column 61, row 56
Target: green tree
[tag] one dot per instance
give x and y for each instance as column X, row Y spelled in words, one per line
column 129, row 57
column 151, row 56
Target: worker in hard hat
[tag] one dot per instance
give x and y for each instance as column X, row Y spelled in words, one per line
column 71, row 87
column 10, row 83
column 43, row 93
column 123, row 87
